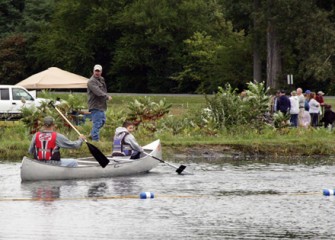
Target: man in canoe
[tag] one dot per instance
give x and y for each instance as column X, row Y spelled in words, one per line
column 125, row 143
column 45, row 145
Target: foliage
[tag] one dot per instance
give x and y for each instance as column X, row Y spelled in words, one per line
column 227, row 109
column 210, row 62
column 10, row 16
column 257, row 101
column 281, row 121
column 12, row 59
column 145, row 46
column 147, row 112
column 33, row 117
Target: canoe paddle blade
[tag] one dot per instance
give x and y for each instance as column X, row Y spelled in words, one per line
column 98, row 155
column 180, row 169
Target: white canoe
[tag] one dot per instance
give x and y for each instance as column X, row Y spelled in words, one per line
column 33, row 170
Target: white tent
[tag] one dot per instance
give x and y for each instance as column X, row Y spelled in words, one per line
column 53, row 78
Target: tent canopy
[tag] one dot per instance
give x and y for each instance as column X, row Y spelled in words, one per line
column 53, row 78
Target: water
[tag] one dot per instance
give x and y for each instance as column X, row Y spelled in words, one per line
column 221, row 201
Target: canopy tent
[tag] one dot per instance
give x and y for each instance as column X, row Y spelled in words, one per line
column 53, row 78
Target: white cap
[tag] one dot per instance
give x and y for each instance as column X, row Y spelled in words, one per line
column 97, row 67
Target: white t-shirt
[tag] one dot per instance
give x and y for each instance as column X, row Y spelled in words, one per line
column 314, row 106
column 294, row 105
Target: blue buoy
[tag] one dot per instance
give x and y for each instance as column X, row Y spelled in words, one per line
column 145, row 195
column 328, row 192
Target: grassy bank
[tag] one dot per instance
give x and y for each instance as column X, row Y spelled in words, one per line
column 15, row 138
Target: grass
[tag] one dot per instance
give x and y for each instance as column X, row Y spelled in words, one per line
column 15, row 139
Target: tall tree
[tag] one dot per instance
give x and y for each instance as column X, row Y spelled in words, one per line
column 257, row 59
column 11, row 15
column 273, row 66
column 12, row 59
column 11, row 44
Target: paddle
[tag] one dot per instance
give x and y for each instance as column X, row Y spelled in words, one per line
column 96, row 153
column 179, row 169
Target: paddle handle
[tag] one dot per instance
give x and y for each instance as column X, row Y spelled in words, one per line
column 67, row 120
column 154, row 157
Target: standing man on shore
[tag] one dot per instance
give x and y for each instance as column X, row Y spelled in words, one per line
column 97, row 101
column 301, row 106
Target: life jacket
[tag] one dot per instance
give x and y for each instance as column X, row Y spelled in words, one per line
column 120, row 148
column 45, row 146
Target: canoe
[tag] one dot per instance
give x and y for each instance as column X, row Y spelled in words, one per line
column 34, row 170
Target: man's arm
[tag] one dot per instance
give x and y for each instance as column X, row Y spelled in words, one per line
column 32, row 145
column 64, row 142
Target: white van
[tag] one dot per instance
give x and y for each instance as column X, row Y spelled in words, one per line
column 13, row 98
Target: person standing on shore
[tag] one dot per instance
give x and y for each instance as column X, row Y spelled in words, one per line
column 301, row 105
column 314, row 110
column 97, row 101
column 294, row 110
column 283, row 103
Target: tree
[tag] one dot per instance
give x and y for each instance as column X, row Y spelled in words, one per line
column 10, row 16
column 35, row 19
column 12, row 59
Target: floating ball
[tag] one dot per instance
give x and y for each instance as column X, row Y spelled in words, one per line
column 145, row 195
column 328, row 192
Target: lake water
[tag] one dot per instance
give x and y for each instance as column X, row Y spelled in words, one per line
column 224, row 200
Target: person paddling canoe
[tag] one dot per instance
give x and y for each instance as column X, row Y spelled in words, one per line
column 45, row 145
column 125, row 143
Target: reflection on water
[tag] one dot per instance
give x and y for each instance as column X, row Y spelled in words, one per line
column 46, row 193
column 221, row 201
column 97, row 190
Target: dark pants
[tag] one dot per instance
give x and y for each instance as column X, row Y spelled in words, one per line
column 314, row 119
column 294, row 120
column 135, row 155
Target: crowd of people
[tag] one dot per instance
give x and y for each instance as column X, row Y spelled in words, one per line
column 305, row 108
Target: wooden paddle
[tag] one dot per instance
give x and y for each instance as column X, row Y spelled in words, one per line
column 179, row 169
column 96, row 153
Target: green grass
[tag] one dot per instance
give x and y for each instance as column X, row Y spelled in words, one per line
column 15, row 139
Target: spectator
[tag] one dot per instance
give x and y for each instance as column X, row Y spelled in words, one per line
column 294, row 110
column 328, row 117
column 314, row 110
column 319, row 98
column 283, row 103
column 307, row 97
column 301, row 105
column 274, row 102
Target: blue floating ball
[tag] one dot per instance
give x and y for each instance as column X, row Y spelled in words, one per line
column 145, row 195
column 328, row 192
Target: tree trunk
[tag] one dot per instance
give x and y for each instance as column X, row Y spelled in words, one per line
column 257, row 64
column 273, row 65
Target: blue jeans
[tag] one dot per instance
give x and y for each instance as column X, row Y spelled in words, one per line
column 98, row 119
column 315, row 119
column 68, row 162
column 294, row 120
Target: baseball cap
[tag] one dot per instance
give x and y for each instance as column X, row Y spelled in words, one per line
column 321, row 93
column 48, row 121
column 308, row 92
column 97, row 67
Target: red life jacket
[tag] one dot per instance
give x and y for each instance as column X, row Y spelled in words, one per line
column 46, row 148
